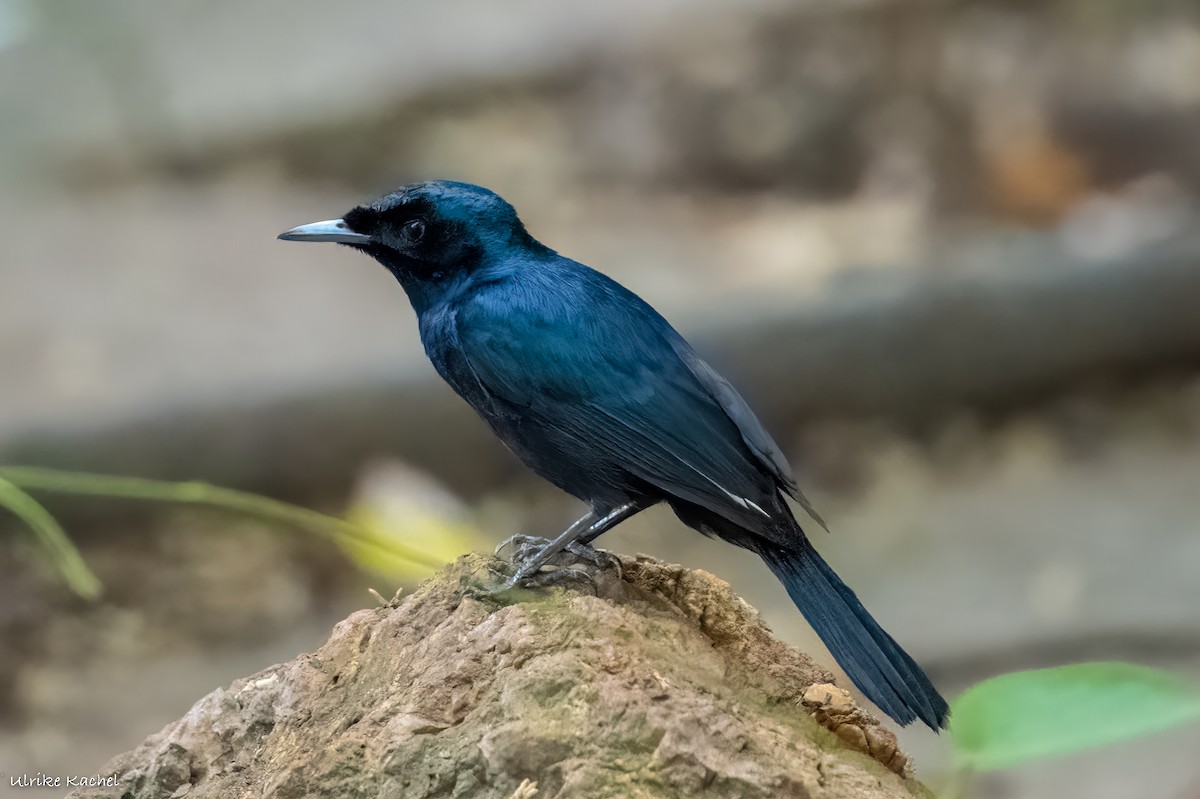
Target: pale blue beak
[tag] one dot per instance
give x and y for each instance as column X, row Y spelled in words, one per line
column 329, row 230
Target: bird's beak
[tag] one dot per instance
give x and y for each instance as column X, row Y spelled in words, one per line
column 329, row 230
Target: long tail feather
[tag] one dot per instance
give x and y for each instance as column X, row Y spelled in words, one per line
column 870, row 657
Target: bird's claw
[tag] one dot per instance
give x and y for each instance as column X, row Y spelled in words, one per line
column 554, row 577
column 520, row 540
column 503, row 582
column 598, row 558
column 526, row 548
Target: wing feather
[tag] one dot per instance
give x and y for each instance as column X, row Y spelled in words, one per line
column 613, row 380
column 753, row 433
column 613, row 389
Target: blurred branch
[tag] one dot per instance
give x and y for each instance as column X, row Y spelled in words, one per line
column 903, row 348
column 911, row 350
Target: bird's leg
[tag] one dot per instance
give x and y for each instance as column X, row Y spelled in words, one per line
column 596, row 530
column 526, row 547
column 543, row 548
column 584, row 530
column 582, row 547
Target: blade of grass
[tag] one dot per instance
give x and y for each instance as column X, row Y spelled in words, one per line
column 53, row 540
column 32, row 478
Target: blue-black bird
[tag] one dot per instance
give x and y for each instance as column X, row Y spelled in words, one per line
column 597, row 393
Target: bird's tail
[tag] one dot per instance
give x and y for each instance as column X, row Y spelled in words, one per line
column 870, row 657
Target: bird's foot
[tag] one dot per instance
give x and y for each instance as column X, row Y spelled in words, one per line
column 555, row 577
column 598, row 558
column 525, row 557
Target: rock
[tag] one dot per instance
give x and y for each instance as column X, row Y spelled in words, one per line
column 654, row 681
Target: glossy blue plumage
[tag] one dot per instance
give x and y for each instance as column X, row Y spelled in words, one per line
column 597, row 393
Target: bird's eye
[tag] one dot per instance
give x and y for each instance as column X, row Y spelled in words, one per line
column 414, row 230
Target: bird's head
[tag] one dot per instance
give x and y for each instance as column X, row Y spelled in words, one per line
column 427, row 233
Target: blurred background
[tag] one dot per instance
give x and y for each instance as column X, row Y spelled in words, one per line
column 948, row 249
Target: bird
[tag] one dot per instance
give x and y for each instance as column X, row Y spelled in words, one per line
column 596, row 392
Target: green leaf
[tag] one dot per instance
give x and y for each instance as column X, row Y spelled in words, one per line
column 1028, row 715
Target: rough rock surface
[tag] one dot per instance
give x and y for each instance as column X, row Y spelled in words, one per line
column 648, row 680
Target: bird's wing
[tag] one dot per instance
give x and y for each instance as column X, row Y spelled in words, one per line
column 753, row 433
column 608, row 379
